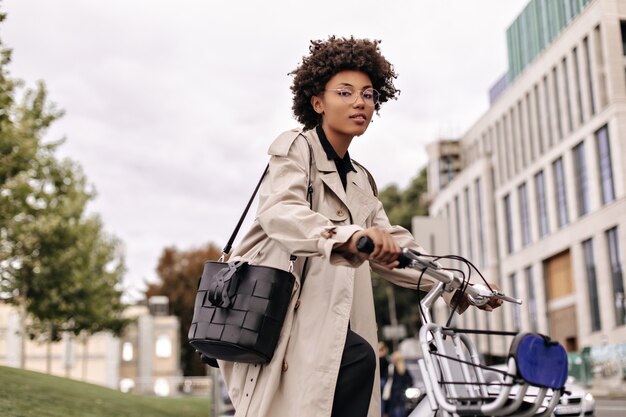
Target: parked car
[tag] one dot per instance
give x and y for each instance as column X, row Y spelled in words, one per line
column 576, row 400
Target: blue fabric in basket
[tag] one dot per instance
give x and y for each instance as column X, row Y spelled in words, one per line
column 540, row 361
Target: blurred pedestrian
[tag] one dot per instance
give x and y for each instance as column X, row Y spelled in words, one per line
column 383, row 365
column 398, row 380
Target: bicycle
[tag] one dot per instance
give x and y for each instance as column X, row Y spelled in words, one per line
column 457, row 383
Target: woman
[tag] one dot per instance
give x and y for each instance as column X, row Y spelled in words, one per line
column 324, row 364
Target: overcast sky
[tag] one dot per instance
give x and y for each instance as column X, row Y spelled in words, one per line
column 171, row 105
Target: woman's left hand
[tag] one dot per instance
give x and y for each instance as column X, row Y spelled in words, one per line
column 464, row 302
column 386, row 249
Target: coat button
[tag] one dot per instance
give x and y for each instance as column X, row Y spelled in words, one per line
column 285, row 366
column 327, row 234
column 297, row 304
column 340, row 213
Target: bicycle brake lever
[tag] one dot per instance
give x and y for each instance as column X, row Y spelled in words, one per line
column 485, row 295
column 500, row 296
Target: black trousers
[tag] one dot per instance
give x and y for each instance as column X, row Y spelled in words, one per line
column 356, row 378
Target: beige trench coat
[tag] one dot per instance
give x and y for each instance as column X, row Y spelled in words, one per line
column 300, row 380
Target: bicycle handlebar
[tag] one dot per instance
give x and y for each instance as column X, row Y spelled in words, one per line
column 478, row 294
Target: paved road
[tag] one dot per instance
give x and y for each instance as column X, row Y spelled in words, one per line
column 610, row 408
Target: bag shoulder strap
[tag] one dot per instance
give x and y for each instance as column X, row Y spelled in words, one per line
column 309, row 195
column 309, row 191
column 233, row 235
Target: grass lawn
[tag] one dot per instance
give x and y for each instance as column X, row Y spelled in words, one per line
column 31, row 394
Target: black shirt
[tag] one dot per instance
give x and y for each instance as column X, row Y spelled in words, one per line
column 344, row 165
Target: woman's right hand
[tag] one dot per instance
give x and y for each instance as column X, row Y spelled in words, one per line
column 386, row 250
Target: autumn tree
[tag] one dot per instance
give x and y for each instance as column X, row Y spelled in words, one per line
column 179, row 272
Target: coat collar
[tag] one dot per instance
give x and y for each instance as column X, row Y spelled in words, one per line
column 356, row 197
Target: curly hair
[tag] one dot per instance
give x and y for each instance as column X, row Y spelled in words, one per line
column 328, row 57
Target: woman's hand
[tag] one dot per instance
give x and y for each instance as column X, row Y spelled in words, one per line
column 464, row 303
column 494, row 302
column 386, row 250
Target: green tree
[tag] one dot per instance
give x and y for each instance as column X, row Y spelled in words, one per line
column 79, row 290
column 56, row 265
column 401, row 206
column 179, row 272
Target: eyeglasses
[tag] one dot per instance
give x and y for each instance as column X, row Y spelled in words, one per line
column 348, row 95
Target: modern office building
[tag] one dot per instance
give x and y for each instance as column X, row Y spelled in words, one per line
column 535, row 191
column 144, row 360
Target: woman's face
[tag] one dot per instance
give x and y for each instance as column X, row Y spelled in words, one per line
column 346, row 105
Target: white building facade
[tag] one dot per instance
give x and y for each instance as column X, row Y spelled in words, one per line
column 539, row 202
column 145, row 359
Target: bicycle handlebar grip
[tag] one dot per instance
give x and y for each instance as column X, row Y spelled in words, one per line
column 366, row 245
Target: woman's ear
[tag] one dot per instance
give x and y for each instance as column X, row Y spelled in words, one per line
column 318, row 105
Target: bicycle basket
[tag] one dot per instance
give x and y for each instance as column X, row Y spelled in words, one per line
column 460, row 385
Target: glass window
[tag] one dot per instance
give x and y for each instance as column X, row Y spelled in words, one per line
column 592, row 100
column 529, row 126
column 524, row 216
column 557, row 101
column 522, row 137
column 542, row 212
column 517, row 317
column 599, row 62
column 561, row 198
column 515, row 142
column 457, row 219
column 163, row 347
column 548, row 112
column 449, row 169
column 508, row 151
column 582, row 184
column 532, row 299
column 481, row 237
column 537, row 119
column 501, row 152
column 508, row 218
column 127, row 352
column 616, row 275
column 470, row 235
column 592, row 285
column 579, row 88
column 604, row 163
column 568, row 100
